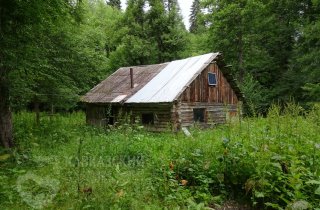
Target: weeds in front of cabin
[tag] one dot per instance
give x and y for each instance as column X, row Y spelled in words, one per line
column 271, row 163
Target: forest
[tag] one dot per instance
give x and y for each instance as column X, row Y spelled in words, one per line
column 53, row 52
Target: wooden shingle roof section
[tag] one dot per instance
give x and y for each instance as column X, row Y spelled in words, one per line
column 117, row 87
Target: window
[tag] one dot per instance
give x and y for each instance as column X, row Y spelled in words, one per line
column 110, row 115
column 147, row 119
column 212, row 80
column 198, row 115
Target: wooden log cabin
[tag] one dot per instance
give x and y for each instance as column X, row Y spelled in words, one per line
column 172, row 95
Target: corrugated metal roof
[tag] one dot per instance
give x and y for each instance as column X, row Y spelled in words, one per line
column 172, row 80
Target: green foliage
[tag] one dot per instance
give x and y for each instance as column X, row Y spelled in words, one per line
column 114, row 3
column 312, row 91
column 276, row 42
column 27, row 42
column 269, row 163
column 304, row 62
column 195, row 11
column 149, row 33
column 65, row 55
column 255, row 96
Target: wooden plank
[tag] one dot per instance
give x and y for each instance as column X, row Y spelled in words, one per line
column 215, row 113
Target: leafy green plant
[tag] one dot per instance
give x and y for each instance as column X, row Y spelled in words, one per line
column 268, row 162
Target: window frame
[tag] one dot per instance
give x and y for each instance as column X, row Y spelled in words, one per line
column 215, row 77
column 110, row 115
column 201, row 119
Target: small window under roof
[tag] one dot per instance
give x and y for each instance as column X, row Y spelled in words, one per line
column 212, row 79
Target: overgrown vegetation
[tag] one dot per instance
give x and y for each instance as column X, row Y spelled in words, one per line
column 269, row 163
column 54, row 51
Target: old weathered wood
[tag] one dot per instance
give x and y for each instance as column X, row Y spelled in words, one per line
column 200, row 91
column 218, row 101
column 215, row 113
column 96, row 114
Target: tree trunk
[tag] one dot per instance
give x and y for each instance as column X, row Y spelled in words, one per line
column 37, row 110
column 6, row 130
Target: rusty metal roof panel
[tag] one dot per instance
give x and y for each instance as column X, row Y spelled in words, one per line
column 172, row 80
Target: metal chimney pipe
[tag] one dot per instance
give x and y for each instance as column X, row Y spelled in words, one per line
column 131, row 77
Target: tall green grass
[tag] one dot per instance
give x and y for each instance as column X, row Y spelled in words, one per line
column 268, row 162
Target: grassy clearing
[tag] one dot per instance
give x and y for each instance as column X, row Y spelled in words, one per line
column 270, row 162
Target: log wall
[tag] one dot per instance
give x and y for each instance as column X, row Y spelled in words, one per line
column 162, row 115
column 200, row 91
column 97, row 115
column 214, row 113
column 218, row 101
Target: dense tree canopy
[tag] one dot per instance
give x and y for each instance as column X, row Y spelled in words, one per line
column 24, row 28
column 51, row 53
column 115, row 3
column 269, row 42
column 150, row 32
column 195, row 19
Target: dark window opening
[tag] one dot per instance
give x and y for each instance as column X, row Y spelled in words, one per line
column 212, row 79
column 110, row 115
column 111, row 120
column 198, row 115
column 147, row 118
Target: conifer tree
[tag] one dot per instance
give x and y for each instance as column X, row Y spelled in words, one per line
column 150, row 34
column 195, row 10
column 302, row 79
column 167, row 29
column 134, row 46
column 115, row 3
column 171, row 5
